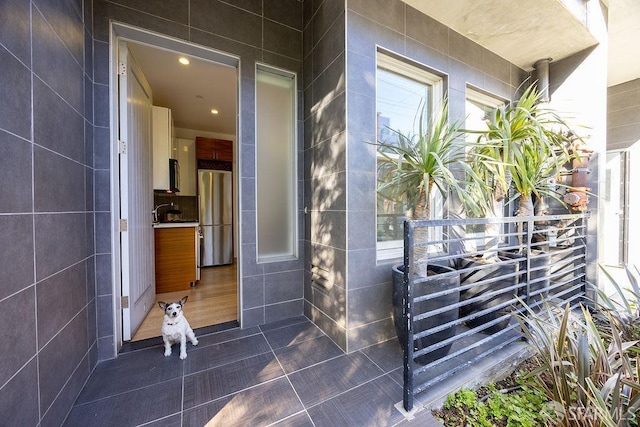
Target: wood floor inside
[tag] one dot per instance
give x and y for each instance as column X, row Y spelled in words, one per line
column 213, row 300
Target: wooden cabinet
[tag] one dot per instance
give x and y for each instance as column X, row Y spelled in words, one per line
column 214, row 149
column 175, row 255
column 188, row 166
column 164, row 146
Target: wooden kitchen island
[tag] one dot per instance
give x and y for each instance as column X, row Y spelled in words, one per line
column 175, row 256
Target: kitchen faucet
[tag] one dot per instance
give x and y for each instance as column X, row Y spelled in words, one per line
column 155, row 211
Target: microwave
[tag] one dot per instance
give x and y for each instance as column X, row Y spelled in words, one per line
column 174, row 176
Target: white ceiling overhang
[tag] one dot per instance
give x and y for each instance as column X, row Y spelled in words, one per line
column 521, row 31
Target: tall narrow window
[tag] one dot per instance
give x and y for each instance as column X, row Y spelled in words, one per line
column 479, row 107
column 276, row 188
column 402, row 92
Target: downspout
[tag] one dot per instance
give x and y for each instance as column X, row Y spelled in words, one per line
column 542, row 76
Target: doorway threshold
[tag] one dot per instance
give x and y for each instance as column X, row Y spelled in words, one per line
column 157, row 341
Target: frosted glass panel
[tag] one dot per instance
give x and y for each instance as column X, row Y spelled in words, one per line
column 276, row 169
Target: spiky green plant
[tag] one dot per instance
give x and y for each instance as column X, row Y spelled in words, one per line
column 432, row 157
column 623, row 307
column 525, row 145
column 591, row 382
column 422, row 161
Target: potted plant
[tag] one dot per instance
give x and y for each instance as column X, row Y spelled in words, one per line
column 524, row 149
column 408, row 170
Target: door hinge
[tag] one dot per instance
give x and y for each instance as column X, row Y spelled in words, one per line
column 125, row 302
column 122, row 69
column 123, row 224
column 122, row 147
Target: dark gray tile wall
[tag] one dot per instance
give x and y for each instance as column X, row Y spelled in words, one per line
column 347, row 293
column 325, row 166
column 396, row 27
column 269, row 33
column 623, row 115
column 47, row 295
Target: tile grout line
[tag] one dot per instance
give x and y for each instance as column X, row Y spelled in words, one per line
column 286, row 375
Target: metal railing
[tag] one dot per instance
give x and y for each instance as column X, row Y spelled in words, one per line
column 463, row 280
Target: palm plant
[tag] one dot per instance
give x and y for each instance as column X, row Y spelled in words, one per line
column 418, row 162
column 410, row 169
column 525, row 147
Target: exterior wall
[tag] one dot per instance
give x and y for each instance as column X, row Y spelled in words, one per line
column 623, row 133
column 396, row 27
column 270, row 35
column 578, row 87
column 48, row 164
column 325, row 167
column 623, row 115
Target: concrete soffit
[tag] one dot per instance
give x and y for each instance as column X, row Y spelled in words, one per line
column 522, row 31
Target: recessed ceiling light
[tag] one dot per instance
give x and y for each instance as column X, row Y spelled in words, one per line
column 183, row 60
column 214, row 111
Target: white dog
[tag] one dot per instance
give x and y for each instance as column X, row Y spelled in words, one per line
column 175, row 327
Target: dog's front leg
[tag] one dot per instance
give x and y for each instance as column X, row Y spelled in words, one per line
column 167, row 346
column 183, row 347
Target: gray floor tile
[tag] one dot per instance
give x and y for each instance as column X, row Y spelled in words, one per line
column 291, row 335
column 215, row 355
column 307, row 353
column 220, row 337
column 257, row 406
column 131, row 408
column 423, row 418
column 132, row 370
column 170, row 421
column 300, row 419
column 214, row 383
column 326, row 380
column 370, row 404
column 284, row 323
column 387, row 355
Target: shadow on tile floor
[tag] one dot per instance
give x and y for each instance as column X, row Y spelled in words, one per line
column 286, row 374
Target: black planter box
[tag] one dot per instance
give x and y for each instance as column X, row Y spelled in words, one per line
column 435, row 283
column 487, row 271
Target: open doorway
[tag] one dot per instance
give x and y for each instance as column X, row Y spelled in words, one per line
column 200, row 95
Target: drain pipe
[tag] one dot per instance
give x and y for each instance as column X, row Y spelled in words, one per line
column 542, row 76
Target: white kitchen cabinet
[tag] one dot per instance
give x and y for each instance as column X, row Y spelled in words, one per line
column 164, row 146
column 188, row 168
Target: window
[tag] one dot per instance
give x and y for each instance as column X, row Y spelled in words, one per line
column 479, row 108
column 276, row 183
column 402, row 90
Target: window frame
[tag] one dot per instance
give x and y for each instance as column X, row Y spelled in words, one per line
column 485, row 99
column 293, row 205
column 394, row 249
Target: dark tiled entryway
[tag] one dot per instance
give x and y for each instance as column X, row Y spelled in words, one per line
column 287, row 374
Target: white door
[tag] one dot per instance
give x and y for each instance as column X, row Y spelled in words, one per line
column 136, row 193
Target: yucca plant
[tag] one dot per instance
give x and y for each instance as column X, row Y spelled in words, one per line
column 528, row 144
column 419, row 162
column 410, row 169
column 524, row 148
column 591, row 382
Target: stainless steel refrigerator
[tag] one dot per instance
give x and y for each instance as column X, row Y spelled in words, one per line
column 216, row 217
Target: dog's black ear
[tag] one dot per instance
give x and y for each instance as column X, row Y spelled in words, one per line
column 163, row 305
column 183, row 300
